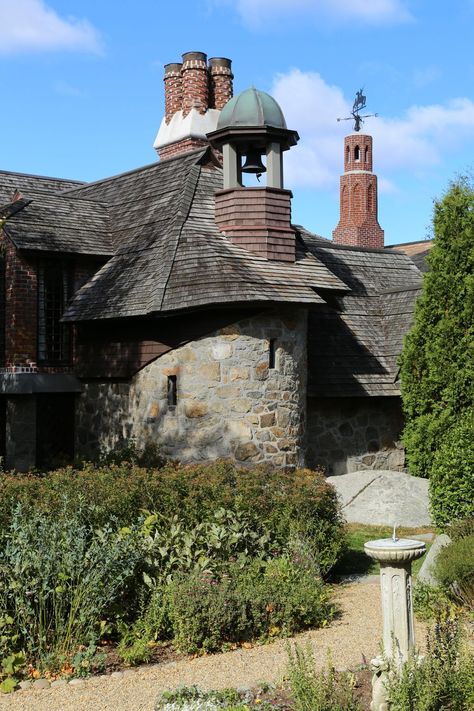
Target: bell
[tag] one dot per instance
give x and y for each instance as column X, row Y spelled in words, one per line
column 253, row 163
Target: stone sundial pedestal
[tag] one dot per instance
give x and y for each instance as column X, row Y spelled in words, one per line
column 395, row 556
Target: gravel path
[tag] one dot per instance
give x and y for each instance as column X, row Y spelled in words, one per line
column 354, row 634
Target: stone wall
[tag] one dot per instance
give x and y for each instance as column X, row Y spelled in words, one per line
column 230, row 402
column 352, row 434
column 20, row 439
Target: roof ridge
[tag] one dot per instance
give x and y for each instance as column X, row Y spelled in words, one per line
column 148, row 166
column 41, row 177
column 181, row 216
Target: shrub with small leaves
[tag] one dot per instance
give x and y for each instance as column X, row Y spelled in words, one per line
column 443, row 679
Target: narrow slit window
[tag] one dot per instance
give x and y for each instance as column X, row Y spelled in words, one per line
column 272, row 354
column 172, row 392
column 357, row 154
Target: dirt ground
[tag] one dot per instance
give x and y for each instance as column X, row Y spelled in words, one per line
column 351, row 639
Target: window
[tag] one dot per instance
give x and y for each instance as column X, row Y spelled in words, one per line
column 348, row 154
column 357, row 154
column 54, row 291
column 272, row 354
column 367, row 154
column 172, row 392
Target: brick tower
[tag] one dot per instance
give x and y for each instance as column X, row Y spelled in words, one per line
column 358, row 224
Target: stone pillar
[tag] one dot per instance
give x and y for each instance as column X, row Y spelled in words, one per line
column 20, row 445
column 395, row 557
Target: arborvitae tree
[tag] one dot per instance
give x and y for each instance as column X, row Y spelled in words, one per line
column 437, row 366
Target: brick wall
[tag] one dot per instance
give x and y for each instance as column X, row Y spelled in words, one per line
column 20, row 309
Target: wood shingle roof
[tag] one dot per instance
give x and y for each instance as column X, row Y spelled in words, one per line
column 156, row 227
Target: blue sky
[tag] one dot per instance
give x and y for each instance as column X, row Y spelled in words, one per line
column 83, row 95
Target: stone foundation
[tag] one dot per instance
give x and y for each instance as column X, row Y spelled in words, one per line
column 230, row 401
column 352, row 434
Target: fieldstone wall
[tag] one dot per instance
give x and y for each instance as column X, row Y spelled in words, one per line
column 20, row 439
column 352, row 434
column 230, row 403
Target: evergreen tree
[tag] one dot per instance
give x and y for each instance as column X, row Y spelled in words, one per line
column 437, row 365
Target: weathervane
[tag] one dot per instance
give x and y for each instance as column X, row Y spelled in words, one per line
column 359, row 104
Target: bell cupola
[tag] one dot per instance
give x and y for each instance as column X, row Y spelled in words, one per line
column 252, row 135
column 358, row 223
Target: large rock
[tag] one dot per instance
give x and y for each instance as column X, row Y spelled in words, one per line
column 426, row 574
column 383, row 498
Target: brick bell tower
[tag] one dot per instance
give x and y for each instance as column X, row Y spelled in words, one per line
column 358, row 224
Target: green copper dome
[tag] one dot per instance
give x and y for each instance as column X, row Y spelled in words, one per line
column 251, row 108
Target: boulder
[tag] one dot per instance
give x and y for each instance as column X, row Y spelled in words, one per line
column 383, row 498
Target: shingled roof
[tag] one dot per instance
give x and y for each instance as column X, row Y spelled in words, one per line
column 171, row 256
column 31, row 186
column 45, row 219
column 355, row 340
column 166, row 255
column 417, row 251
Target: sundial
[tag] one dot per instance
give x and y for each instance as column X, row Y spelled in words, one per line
column 359, row 104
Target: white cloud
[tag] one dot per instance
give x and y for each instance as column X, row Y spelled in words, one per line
column 31, row 25
column 257, row 13
column 413, row 142
column 64, row 88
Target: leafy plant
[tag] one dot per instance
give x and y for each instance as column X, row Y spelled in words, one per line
column 454, row 570
column 443, row 679
column 428, row 600
column 58, row 578
column 11, row 666
column 257, row 600
column 318, row 691
column 207, row 546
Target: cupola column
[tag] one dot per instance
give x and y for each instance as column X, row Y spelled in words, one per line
column 274, row 165
column 232, row 166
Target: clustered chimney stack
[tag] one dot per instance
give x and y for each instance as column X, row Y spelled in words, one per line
column 358, row 223
column 195, row 82
column 195, row 93
column 220, row 84
column 173, row 90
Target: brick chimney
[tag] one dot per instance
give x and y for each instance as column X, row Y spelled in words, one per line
column 358, row 224
column 195, row 93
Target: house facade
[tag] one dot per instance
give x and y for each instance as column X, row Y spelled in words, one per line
column 174, row 304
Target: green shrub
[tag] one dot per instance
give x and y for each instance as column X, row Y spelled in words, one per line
column 452, row 473
column 443, row 679
column 58, row 579
column 318, row 691
column 428, row 600
column 297, row 502
column 208, row 546
column 461, row 528
column 253, row 600
column 437, row 364
column 454, row 569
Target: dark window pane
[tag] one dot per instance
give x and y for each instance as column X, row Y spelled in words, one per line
column 54, row 290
